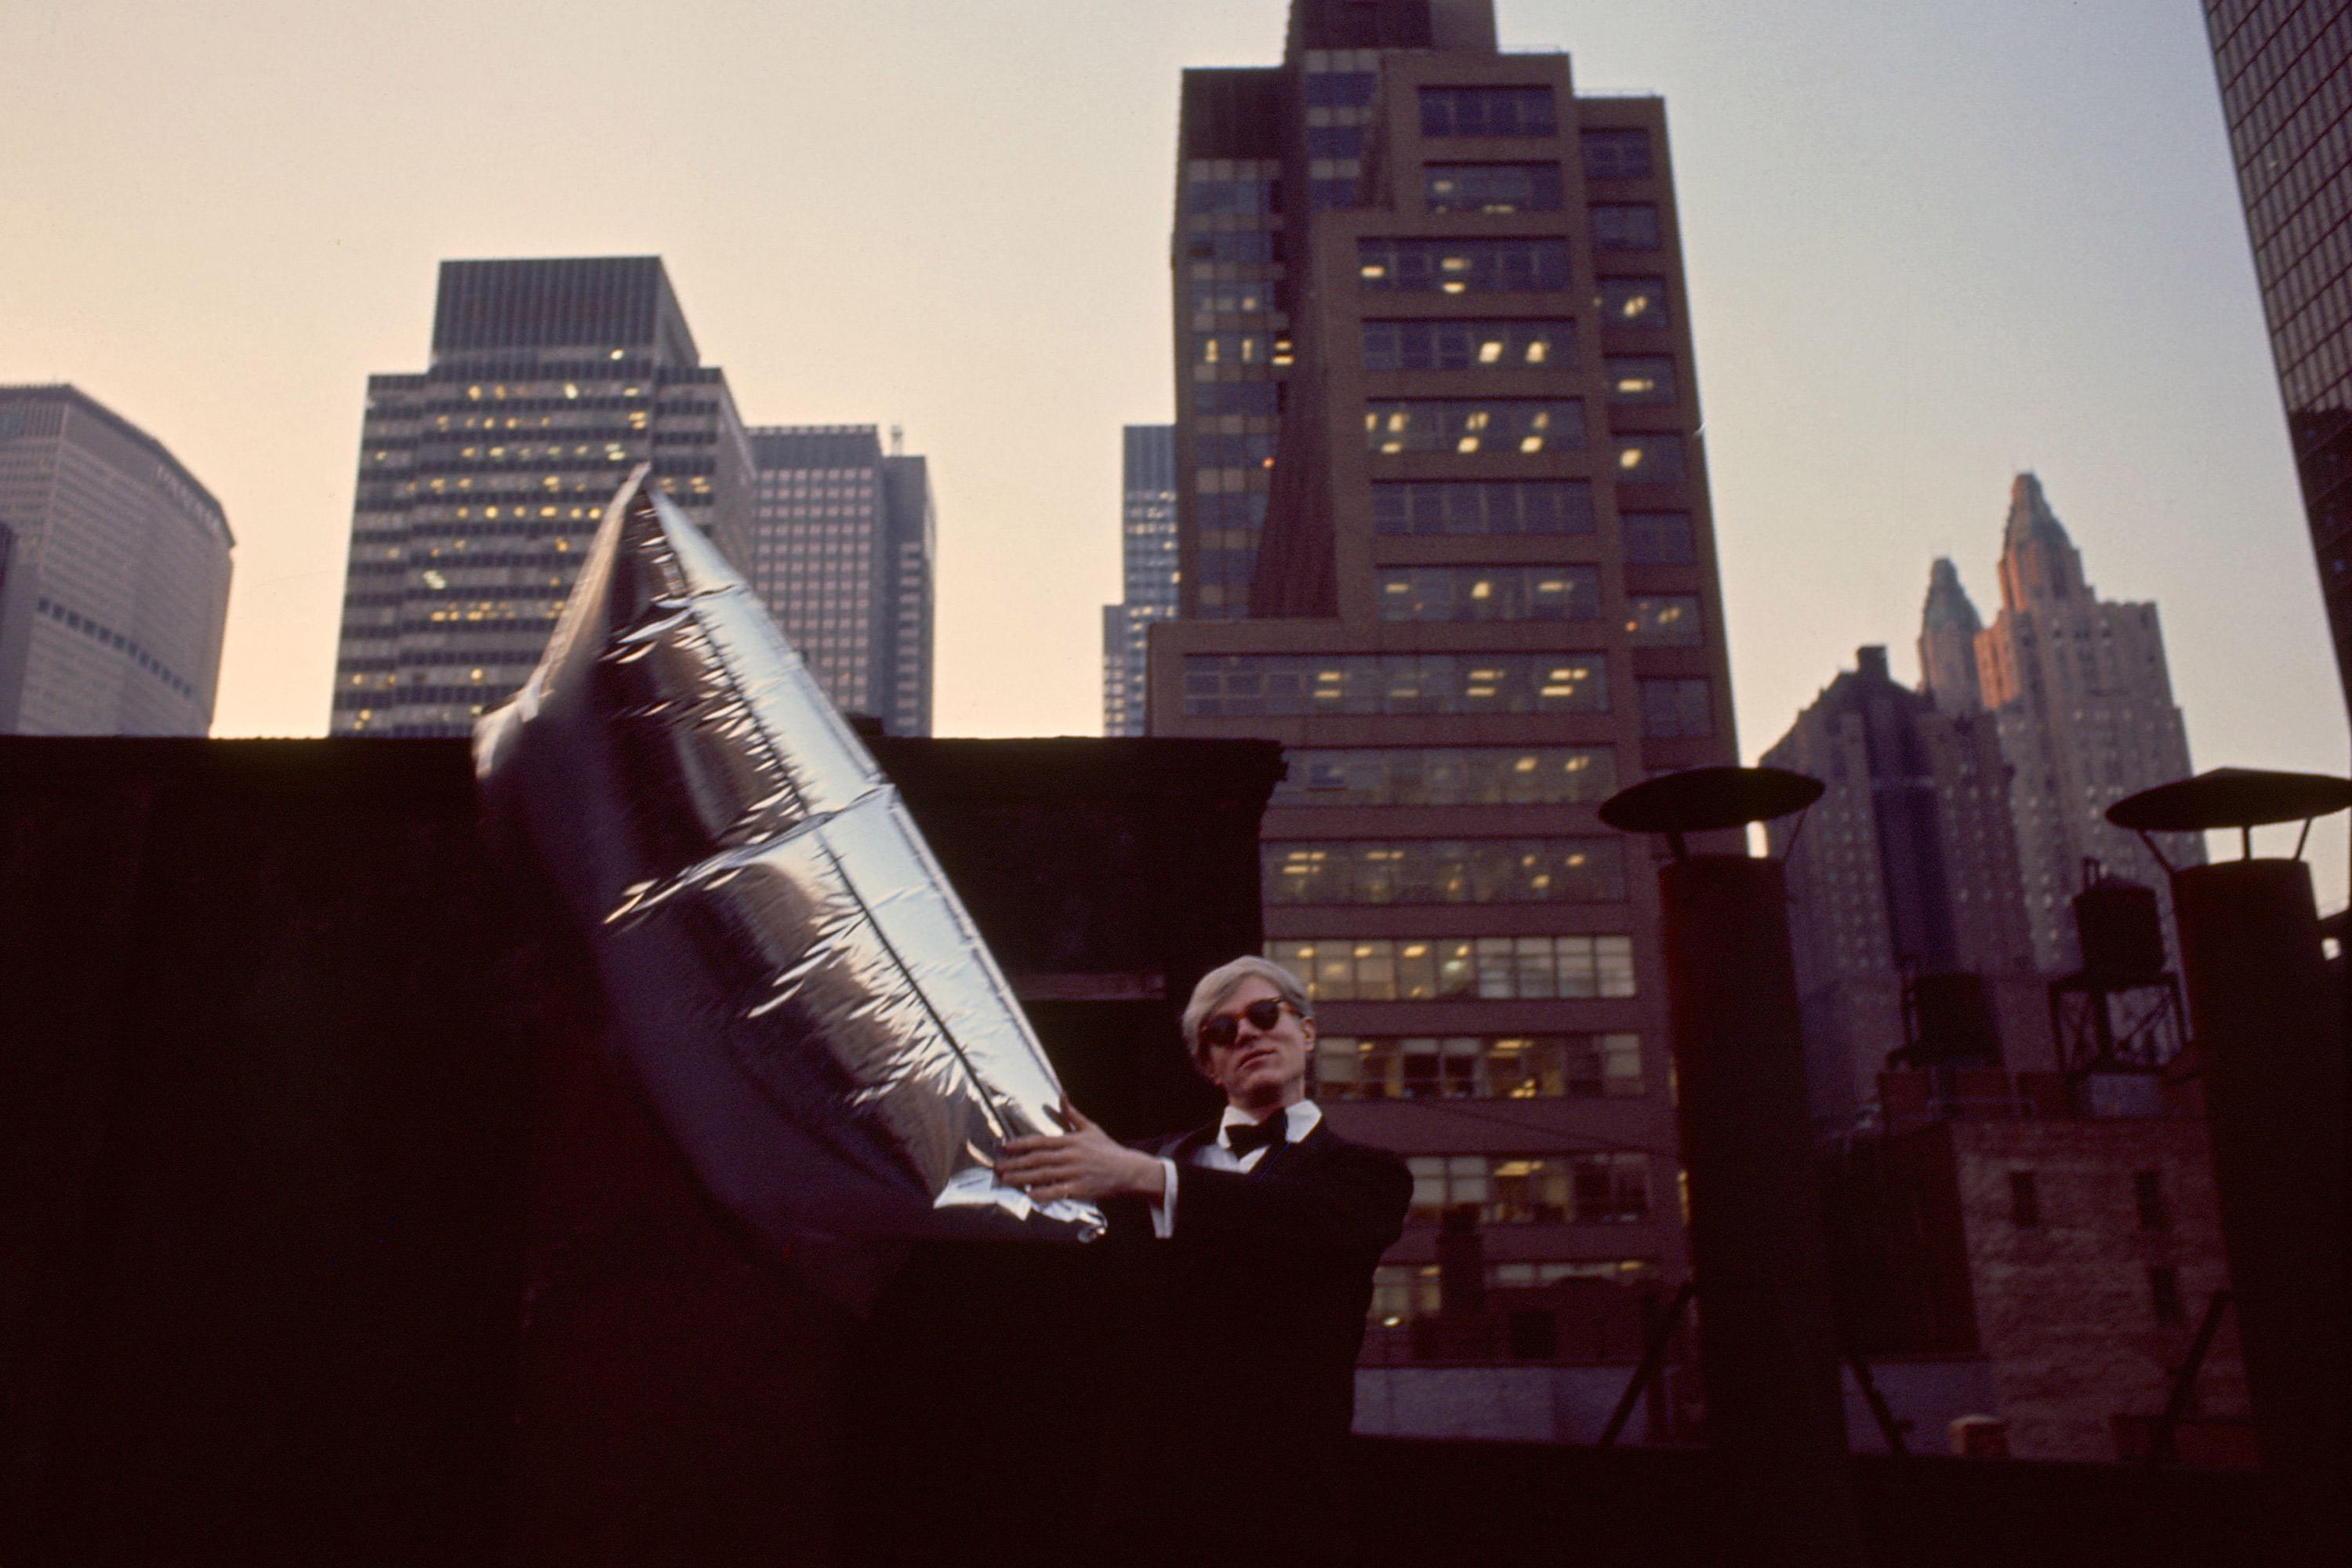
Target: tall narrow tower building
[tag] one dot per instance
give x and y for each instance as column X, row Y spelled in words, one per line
column 1148, row 571
column 840, row 550
column 2079, row 689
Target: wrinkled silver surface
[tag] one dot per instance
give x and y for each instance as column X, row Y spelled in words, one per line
column 793, row 984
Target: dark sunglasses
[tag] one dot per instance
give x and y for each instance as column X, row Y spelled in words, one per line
column 1226, row 1027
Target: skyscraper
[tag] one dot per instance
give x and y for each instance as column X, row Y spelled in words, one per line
column 2079, row 689
column 1907, row 867
column 482, row 478
column 2285, row 71
column 114, row 571
column 1148, row 558
column 1444, row 533
column 840, row 550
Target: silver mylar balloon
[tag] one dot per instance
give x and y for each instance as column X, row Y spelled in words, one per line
column 794, row 986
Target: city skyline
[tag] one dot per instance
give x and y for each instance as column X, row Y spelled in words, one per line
column 1973, row 179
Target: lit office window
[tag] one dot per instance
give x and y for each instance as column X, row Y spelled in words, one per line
column 1478, row 1067
column 1469, row 346
column 1488, row 968
column 1650, row 459
column 1532, row 1189
column 1630, row 302
column 1463, row 266
column 1251, row 684
column 1442, row 871
column 1469, row 425
column 1665, row 620
column 1447, row 775
column 1489, row 594
column 1491, row 187
column 1640, row 378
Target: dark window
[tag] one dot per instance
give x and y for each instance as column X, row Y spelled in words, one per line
column 2148, row 1193
column 1658, row 538
column 1491, row 594
column 1463, row 266
column 1630, row 302
column 1340, row 89
column 1244, row 198
column 1250, row 246
column 1233, row 451
column 1665, row 620
column 1677, row 711
column 1487, row 111
column 1490, row 506
column 1469, row 346
column 1640, row 378
column 1249, row 685
column 1616, row 155
column 1261, row 398
column 1625, row 226
column 2025, row 1201
column 1468, row 425
column 1334, row 141
column 1650, row 459
column 1491, row 187
column 1327, row 196
column 2164, row 1295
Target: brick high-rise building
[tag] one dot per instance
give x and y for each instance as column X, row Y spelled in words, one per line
column 1445, row 532
column 114, row 571
column 1907, row 865
column 840, row 550
column 2079, row 689
column 482, row 478
column 2285, row 71
column 1147, row 563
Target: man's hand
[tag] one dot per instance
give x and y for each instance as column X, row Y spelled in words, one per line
column 1085, row 1163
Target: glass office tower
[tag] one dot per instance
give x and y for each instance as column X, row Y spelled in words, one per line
column 482, row 480
column 2286, row 71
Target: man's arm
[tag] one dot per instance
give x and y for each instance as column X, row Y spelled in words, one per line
column 1352, row 1199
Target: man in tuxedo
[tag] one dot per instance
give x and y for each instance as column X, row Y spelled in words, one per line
column 1259, row 1235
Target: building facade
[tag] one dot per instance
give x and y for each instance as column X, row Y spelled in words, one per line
column 1443, row 531
column 114, row 575
column 1906, row 868
column 2080, row 692
column 2076, row 1255
column 482, row 478
column 2286, row 72
column 1148, row 571
column 840, row 550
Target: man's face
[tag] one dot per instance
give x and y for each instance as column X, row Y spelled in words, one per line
column 1262, row 1069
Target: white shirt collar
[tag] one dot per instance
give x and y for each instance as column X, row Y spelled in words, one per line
column 1303, row 1117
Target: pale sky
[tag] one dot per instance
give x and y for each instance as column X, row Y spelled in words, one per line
column 1928, row 244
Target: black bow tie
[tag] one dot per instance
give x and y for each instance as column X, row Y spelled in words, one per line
column 1271, row 1134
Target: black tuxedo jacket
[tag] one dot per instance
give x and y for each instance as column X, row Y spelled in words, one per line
column 1242, row 1330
